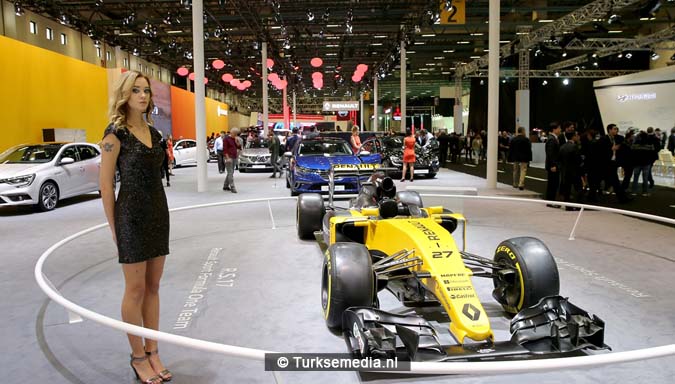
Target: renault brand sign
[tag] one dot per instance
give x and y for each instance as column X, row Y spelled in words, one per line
column 329, row 106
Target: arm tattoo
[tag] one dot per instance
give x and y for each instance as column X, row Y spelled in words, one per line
column 108, row 147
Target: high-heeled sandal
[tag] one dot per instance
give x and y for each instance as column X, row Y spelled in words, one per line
column 152, row 380
column 165, row 375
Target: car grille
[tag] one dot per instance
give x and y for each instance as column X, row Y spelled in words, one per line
column 259, row 159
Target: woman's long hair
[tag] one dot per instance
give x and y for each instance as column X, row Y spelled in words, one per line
column 120, row 98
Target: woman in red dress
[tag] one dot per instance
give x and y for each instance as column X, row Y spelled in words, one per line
column 409, row 154
column 169, row 153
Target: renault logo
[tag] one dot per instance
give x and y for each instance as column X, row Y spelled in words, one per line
column 471, row 312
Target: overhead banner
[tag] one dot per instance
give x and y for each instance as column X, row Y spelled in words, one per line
column 455, row 14
column 333, row 106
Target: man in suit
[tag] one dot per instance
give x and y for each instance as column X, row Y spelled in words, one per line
column 570, row 162
column 552, row 153
column 609, row 146
column 520, row 153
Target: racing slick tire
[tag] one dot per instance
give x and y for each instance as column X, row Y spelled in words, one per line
column 347, row 281
column 409, row 198
column 536, row 274
column 309, row 215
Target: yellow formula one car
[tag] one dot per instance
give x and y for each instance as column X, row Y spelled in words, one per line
column 388, row 239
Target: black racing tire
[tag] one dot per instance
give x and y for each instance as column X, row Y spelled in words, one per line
column 347, row 281
column 48, row 198
column 410, row 198
column 536, row 274
column 309, row 215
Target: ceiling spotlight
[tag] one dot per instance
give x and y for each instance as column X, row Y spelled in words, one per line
column 544, row 82
column 187, row 55
column 629, row 55
column 654, row 56
column 326, row 15
column 556, row 74
column 482, row 82
column 136, row 52
column 18, row 9
column 564, row 54
column 614, row 19
column 595, row 64
column 577, row 68
column 63, row 19
column 287, row 44
column 187, row 4
column 348, row 28
column 167, row 19
column 98, row 3
column 620, row 55
column 503, row 81
column 158, row 52
column 448, row 5
column 417, row 29
column 310, row 15
column 566, row 81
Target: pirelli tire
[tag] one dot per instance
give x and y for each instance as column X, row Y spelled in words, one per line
column 347, row 281
column 536, row 273
column 309, row 215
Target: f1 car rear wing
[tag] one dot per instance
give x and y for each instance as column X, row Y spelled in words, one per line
column 361, row 171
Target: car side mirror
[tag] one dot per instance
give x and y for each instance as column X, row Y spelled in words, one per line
column 364, row 153
column 66, row 160
column 288, row 154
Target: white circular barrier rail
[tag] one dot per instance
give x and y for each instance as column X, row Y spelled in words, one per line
column 490, row 367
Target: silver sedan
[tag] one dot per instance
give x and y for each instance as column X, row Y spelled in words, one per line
column 43, row 174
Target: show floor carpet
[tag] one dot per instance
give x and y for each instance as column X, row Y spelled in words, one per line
column 618, row 268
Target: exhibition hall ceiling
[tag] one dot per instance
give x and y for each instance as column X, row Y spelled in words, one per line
column 347, row 33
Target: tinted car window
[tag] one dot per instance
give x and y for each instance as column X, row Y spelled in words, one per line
column 87, row 152
column 257, row 143
column 311, row 147
column 42, row 153
column 70, row 152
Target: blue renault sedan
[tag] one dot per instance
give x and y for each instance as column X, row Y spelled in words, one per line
column 312, row 159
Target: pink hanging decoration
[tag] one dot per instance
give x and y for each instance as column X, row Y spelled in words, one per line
column 227, row 77
column 182, row 71
column 218, row 64
column 316, row 62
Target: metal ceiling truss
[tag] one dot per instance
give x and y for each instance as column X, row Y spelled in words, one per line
column 666, row 34
column 568, row 73
column 595, row 10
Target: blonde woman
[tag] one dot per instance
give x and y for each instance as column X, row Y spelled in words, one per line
column 139, row 217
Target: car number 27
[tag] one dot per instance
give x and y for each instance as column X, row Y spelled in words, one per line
column 441, row 254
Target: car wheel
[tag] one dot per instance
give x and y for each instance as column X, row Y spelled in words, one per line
column 347, row 281
column 309, row 215
column 431, row 175
column 174, row 165
column 409, row 198
column 534, row 276
column 48, row 197
column 242, row 170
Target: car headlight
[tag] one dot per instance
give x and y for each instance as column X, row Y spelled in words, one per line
column 19, row 181
column 300, row 169
column 395, row 160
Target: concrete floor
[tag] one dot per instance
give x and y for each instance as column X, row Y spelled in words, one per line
column 618, row 268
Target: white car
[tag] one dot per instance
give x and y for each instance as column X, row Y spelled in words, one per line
column 185, row 153
column 43, row 174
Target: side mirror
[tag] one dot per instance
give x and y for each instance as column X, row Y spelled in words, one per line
column 66, row 160
column 364, row 153
column 288, row 154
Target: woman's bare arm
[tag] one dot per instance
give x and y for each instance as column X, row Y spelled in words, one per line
column 111, row 149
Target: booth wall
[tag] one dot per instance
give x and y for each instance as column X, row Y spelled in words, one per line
column 43, row 89
column 183, row 115
column 237, row 120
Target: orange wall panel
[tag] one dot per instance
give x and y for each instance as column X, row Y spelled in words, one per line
column 183, row 114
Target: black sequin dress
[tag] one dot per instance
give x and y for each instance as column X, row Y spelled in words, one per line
column 141, row 211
